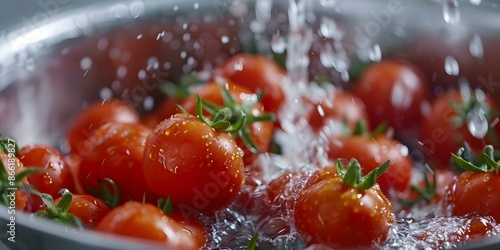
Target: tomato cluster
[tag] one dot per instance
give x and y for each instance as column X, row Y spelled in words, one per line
column 166, row 176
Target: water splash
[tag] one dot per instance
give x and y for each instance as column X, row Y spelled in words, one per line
column 375, row 53
column 278, row 43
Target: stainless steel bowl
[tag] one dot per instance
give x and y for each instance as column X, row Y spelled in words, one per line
column 50, row 70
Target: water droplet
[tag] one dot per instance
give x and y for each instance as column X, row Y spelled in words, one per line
column 451, row 66
column 196, row 6
column 329, row 29
column 278, row 44
column 224, row 39
column 175, row 8
column 477, row 122
column 106, row 93
column 451, row 12
column 476, row 47
column 136, row 9
column 148, row 103
column 86, row 63
column 375, row 54
column 475, row 2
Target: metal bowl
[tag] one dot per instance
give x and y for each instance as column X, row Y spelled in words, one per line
column 50, row 71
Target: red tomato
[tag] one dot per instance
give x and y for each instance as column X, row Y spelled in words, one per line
column 337, row 215
column 341, row 107
column 261, row 132
column 371, row 152
column 13, row 166
column 56, row 174
column 88, row 209
column 146, row 221
column 200, row 168
column 474, row 193
column 257, row 73
column 439, row 137
column 117, row 154
column 96, row 115
column 193, row 227
column 393, row 91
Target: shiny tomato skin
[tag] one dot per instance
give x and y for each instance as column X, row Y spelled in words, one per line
column 200, row 168
column 88, row 209
column 117, row 154
column 261, row 132
column 439, row 137
column 193, row 227
column 337, row 215
column 393, row 91
column 256, row 73
column 56, row 174
column 21, row 197
column 95, row 115
column 343, row 107
column 371, row 153
column 148, row 222
column 474, row 193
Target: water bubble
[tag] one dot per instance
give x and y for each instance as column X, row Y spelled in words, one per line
column 105, row 93
column 451, row 12
column 175, row 8
column 196, row 6
column 477, row 122
column 148, row 103
column 224, row 39
column 476, row 47
column 475, row 2
column 136, row 9
column 375, row 54
column 278, row 44
column 329, row 29
column 86, row 63
column 451, row 66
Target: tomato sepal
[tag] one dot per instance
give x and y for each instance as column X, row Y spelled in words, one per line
column 351, row 174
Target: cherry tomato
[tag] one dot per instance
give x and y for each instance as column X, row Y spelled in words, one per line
column 201, row 169
column 257, row 73
column 56, row 174
column 439, row 136
column 193, row 227
column 371, row 152
column 474, row 193
column 96, row 115
column 146, row 221
column 341, row 107
column 117, row 154
column 13, row 166
column 393, row 91
column 260, row 132
column 88, row 209
column 337, row 215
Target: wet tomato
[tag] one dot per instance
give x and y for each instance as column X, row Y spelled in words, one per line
column 260, row 132
column 371, row 152
column 55, row 176
column 94, row 116
column 193, row 227
column 334, row 214
column 342, row 107
column 441, row 135
column 393, row 91
column 116, row 153
column 18, row 198
column 200, row 168
column 256, row 73
column 88, row 209
column 146, row 221
column 474, row 193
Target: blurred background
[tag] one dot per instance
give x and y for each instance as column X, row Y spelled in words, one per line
column 22, row 12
